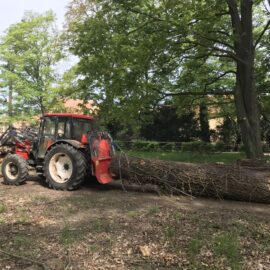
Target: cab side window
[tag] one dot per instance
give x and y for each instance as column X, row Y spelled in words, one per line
column 63, row 129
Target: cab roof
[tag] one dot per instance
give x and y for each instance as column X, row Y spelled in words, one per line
column 73, row 115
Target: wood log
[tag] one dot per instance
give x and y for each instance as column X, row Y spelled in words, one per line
column 245, row 181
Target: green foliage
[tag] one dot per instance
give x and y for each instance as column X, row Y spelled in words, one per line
column 135, row 50
column 197, row 146
column 137, row 55
column 29, row 52
column 220, row 146
column 229, row 131
column 165, row 124
column 148, row 146
column 192, row 157
column 145, row 145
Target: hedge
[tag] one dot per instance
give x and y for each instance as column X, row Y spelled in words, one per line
column 154, row 146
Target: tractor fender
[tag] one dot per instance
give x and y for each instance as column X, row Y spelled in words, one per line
column 74, row 143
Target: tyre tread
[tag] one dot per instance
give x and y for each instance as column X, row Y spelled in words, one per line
column 23, row 166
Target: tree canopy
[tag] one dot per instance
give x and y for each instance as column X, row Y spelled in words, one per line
column 29, row 52
column 135, row 55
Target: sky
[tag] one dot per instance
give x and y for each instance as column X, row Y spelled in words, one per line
column 11, row 11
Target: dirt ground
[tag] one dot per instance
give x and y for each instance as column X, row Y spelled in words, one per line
column 105, row 227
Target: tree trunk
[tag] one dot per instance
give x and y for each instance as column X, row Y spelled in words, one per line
column 245, row 92
column 204, row 123
column 242, row 182
column 10, row 98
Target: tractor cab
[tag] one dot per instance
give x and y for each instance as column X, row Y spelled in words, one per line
column 62, row 127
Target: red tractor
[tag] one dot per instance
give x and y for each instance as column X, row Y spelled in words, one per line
column 65, row 151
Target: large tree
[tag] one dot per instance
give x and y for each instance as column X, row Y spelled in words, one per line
column 29, row 52
column 135, row 54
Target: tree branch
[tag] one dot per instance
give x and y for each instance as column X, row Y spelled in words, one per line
column 262, row 34
column 236, row 21
column 217, row 41
column 139, row 27
column 211, row 93
column 227, row 53
column 220, row 32
column 144, row 14
column 219, row 77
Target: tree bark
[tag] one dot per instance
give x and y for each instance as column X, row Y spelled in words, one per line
column 10, row 98
column 245, row 92
column 204, row 123
column 243, row 182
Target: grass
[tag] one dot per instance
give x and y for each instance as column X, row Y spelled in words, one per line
column 227, row 245
column 102, row 225
column 133, row 214
column 22, row 241
column 67, row 237
column 226, row 158
column 22, row 215
column 153, row 210
column 39, row 198
column 3, row 208
column 2, row 221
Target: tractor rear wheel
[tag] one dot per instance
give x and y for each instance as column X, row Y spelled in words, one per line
column 65, row 167
column 14, row 170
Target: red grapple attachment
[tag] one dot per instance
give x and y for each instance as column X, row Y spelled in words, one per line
column 101, row 151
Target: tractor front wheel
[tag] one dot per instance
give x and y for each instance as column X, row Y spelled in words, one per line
column 14, row 170
column 64, row 167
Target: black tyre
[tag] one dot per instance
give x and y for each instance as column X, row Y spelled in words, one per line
column 65, row 167
column 14, row 170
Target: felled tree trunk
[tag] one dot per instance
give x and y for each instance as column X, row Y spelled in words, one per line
column 243, row 182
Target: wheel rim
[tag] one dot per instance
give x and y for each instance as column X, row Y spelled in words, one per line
column 60, row 168
column 12, row 171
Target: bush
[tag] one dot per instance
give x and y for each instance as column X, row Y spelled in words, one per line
column 266, row 148
column 151, row 146
column 123, row 145
column 220, row 146
column 242, row 148
column 197, row 146
column 154, row 146
column 145, row 146
column 170, row 147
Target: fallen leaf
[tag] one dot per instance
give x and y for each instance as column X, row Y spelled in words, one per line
column 145, row 251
